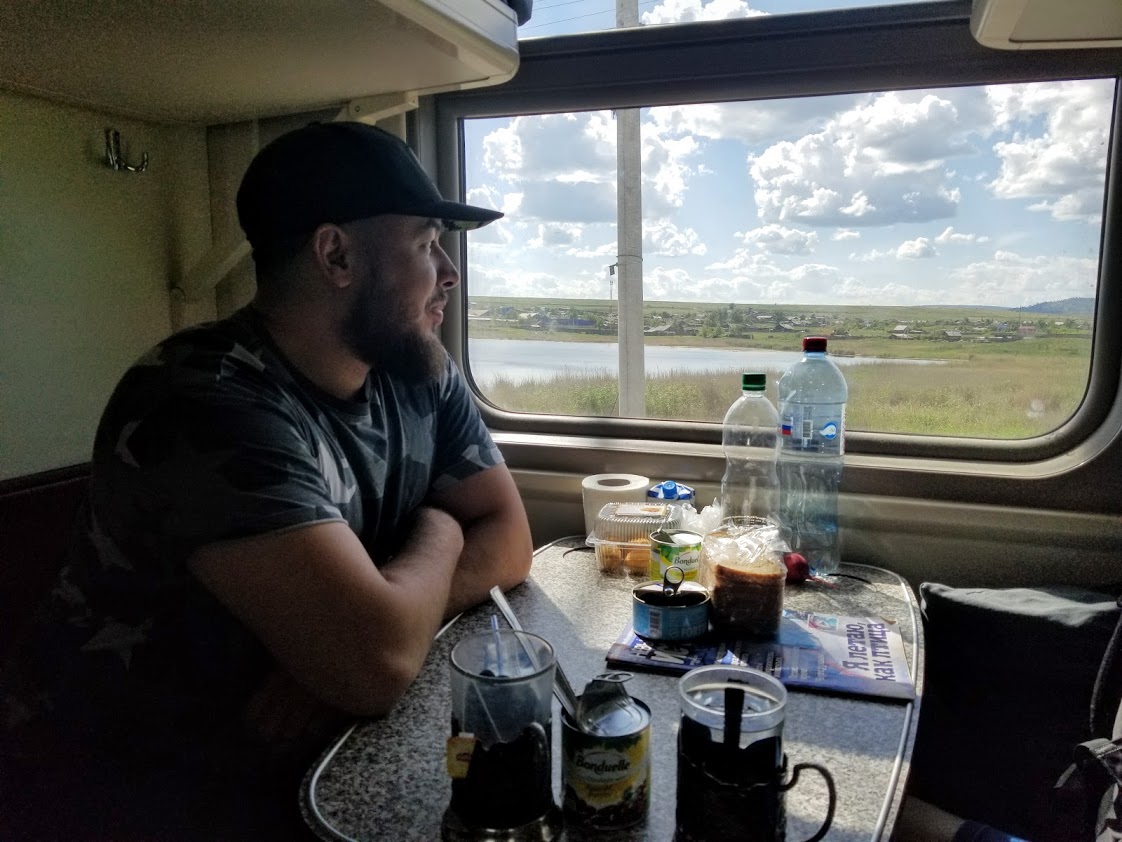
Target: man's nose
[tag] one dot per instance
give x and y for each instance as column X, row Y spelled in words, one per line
column 447, row 275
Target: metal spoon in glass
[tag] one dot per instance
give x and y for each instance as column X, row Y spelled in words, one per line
column 562, row 689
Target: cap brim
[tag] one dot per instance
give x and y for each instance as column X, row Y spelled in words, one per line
column 459, row 217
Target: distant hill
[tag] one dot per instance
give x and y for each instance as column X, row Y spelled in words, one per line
column 1068, row 306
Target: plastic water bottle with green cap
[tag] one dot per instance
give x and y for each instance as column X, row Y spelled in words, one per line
column 751, row 444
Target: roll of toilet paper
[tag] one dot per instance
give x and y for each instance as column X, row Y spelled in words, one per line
column 599, row 489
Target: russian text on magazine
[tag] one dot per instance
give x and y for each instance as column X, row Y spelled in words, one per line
column 858, row 655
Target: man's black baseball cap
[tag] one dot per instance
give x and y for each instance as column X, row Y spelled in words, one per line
column 340, row 172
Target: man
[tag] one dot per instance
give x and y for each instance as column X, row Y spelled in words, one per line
column 285, row 506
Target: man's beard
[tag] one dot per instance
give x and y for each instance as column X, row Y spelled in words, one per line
column 382, row 335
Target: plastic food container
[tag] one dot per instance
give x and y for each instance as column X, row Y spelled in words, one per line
column 622, row 534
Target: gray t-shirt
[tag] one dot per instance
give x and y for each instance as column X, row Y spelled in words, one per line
column 213, row 436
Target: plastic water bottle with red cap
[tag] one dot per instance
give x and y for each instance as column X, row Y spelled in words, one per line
column 812, row 397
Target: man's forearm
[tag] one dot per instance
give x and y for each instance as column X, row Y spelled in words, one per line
column 353, row 634
column 497, row 551
column 428, row 565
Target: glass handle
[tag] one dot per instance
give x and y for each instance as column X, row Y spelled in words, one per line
column 833, row 795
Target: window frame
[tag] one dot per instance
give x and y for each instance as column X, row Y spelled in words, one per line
column 915, row 46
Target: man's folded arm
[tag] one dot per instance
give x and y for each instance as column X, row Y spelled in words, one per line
column 498, row 548
column 354, row 634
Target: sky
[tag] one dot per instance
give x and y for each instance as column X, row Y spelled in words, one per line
column 973, row 196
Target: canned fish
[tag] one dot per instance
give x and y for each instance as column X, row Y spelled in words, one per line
column 680, row 612
column 675, row 548
column 606, row 767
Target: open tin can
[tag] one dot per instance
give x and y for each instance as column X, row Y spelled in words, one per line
column 606, row 763
column 675, row 548
column 672, row 609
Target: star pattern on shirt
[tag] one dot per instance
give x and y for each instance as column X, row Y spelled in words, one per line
column 341, row 491
column 119, row 638
column 108, row 553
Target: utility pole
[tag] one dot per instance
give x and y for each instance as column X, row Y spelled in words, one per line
column 629, row 243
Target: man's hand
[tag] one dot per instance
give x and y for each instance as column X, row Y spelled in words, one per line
column 282, row 710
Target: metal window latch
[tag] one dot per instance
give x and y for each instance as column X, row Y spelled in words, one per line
column 113, row 158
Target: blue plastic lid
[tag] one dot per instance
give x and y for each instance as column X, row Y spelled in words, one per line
column 670, row 490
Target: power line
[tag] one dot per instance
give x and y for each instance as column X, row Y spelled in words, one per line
column 558, row 5
column 579, row 17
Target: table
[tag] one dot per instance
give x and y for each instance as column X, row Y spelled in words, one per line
column 386, row 779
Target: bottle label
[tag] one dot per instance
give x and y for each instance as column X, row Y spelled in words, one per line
column 800, row 430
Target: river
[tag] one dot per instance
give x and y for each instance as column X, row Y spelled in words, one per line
column 526, row 359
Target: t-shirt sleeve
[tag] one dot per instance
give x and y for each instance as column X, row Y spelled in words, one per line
column 203, row 464
column 463, row 443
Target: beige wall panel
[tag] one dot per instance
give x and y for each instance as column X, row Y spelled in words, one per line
column 86, row 258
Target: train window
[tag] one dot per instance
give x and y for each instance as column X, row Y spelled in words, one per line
column 564, row 17
column 946, row 241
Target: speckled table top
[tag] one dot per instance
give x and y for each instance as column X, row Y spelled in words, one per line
column 386, row 779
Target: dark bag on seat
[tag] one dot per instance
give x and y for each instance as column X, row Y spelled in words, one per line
column 1089, row 793
column 1010, row 673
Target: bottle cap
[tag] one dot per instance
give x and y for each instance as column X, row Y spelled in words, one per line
column 670, row 490
column 753, row 381
column 814, row 344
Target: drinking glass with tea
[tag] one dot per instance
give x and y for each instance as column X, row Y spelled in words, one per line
column 499, row 753
column 732, row 772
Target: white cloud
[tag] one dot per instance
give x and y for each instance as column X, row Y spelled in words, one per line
column 1007, row 279
column 887, row 294
column 562, row 167
column 498, row 233
column 744, row 260
column 750, row 122
column 553, row 234
column 668, row 240
column 949, row 235
column 915, row 249
column 578, row 202
column 683, row 11
column 1011, row 280
column 882, row 161
column 666, row 169
column 664, row 284
column 871, row 255
column 829, row 176
column 1064, row 165
column 491, row 280
column 549, row 146
column 777, row 239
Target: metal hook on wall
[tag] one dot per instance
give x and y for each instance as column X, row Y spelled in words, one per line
column 113, row 158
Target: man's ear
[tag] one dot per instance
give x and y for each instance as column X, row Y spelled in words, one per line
column 333, row 251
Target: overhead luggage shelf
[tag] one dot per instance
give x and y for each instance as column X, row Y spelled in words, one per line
column 207, row 62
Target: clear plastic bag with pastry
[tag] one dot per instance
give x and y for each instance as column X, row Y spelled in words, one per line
column 742, row 566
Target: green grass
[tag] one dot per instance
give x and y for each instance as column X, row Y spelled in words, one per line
column 994, row 393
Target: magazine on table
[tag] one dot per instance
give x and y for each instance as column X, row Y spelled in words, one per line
column 858, row 655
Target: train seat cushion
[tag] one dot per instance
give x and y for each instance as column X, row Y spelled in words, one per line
column 37, row 516
column 1010, row 675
